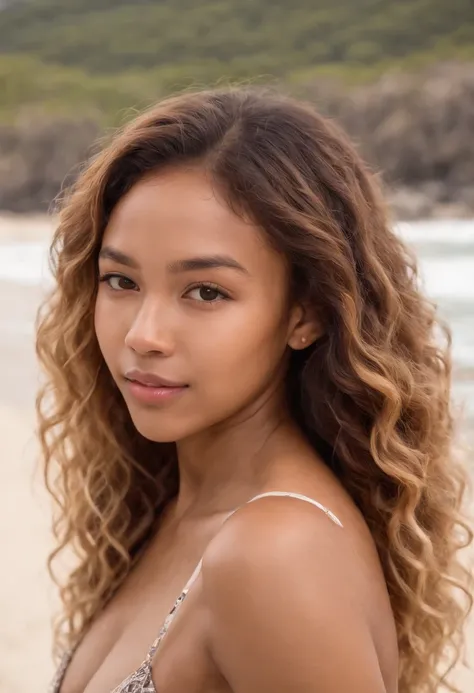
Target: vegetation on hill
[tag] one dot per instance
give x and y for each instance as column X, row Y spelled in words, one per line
column 245, row 36
column 104, row 55
column 70, row 68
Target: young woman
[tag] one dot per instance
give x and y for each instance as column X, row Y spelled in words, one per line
column 247, row 417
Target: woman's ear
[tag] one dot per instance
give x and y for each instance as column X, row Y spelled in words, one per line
column 305, row 326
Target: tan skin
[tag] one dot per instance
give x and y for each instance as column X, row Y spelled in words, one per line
column 286, row 600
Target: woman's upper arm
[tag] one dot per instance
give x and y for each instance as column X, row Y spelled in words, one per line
column 284, row 609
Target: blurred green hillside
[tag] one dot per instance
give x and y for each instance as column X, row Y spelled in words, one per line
column 397, row 74
column 101, row 56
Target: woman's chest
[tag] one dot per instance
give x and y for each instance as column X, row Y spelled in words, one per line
column 112, row 651
column 120, row 637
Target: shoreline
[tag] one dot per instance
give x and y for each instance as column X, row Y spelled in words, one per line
column 405, row 204
column 26, row 227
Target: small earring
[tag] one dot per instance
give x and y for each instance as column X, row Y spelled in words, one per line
column 304, row 340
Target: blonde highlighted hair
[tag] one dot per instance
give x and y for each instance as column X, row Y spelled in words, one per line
column 372, row 395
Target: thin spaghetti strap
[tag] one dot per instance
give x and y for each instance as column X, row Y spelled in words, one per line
column 172, row 613
column 325, row 510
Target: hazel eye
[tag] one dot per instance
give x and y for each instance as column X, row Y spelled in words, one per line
column 118, row 282
column 207, row 293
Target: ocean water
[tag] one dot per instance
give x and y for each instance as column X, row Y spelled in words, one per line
column 24, row 263
column 446, row 255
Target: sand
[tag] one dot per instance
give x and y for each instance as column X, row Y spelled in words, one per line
column 26, row 596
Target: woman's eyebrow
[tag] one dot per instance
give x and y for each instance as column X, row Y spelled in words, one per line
column 205, row 262
column 185, row 265
column 109, row 253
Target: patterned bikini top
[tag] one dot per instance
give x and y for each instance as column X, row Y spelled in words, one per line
column 140, row 681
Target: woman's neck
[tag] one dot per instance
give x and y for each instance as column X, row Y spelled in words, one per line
column 223, row 467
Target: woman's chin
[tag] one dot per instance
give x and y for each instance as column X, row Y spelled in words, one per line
column 158, row 430
column 158, row 434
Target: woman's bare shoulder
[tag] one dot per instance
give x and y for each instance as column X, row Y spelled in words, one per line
column 275, row 529
column 286, row 595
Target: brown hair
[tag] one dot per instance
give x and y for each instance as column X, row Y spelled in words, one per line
column 373, row 394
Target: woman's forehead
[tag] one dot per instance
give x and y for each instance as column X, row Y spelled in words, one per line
column 179, row 214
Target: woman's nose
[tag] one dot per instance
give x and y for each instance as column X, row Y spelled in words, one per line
column 149, row 331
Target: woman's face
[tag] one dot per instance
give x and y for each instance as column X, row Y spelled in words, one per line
column 192, row 294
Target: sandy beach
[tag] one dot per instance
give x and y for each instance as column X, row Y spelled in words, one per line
column 26, row 597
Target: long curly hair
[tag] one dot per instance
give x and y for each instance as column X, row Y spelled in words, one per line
column 372, row 395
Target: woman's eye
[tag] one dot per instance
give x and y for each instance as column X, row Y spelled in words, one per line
column 118, row 282
column 206, row 293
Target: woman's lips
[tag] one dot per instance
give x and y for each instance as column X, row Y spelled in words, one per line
column 153, row 394
column 152, row 379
